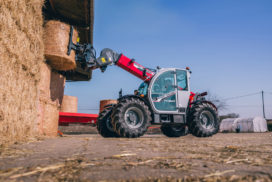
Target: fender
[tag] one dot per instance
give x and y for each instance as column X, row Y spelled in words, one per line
column 137, row 97
column 133, row 96
column 109, row 105
column 204, row 101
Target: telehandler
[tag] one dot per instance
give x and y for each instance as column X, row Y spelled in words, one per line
column 164, row 98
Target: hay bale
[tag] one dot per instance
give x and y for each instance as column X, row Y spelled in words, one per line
column 56, row 39
column 48, row 117
column 40, row 116
column 44, row 84
column 69, row 104
column 18, row 95
column 51, row 85
column 21, row 53
column 51, row 89
column 104, row 103
column 57, row 85
column 21, row 35
column 51, row 119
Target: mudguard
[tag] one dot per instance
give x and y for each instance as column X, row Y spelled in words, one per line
column 204, row 101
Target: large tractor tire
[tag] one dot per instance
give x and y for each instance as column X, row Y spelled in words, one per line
column 171, row 130
column 203, row 120
column 104, row 125
column 131, row 117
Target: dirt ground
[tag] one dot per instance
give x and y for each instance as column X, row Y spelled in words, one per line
column 89, row 157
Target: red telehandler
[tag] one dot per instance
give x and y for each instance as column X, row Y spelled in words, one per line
column 164, row 98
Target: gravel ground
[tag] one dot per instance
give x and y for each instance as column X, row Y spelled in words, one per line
column 89, row 157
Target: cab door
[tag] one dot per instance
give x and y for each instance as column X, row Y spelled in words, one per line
column 163, row 92
column 183, row 89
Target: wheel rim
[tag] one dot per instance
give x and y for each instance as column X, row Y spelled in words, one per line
column 109, row 125
column 207, row 120
column 134, row 117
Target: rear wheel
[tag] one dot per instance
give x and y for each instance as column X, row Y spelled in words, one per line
column 174, row 130
column 203, row 120
column 131, row 118
column 104, row 125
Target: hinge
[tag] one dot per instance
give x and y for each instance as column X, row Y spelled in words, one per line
column 181, row 109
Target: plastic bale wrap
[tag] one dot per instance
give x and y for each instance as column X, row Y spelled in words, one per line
column 104, row 103
column 21, row 53
column 56, row 40
column 69, row 104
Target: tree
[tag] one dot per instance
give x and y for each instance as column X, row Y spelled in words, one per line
column 219, row 103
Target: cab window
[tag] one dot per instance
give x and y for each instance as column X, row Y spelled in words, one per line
column 143, row 88
column 182, row 80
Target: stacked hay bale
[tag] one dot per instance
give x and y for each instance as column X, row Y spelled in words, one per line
column 21, row 54
column 69, row 104
column 56, row 39
column 31, row 91
column 51, row 89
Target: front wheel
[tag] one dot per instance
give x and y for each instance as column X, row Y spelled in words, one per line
column 203, row 120
column 104, row 125
column 131, row 117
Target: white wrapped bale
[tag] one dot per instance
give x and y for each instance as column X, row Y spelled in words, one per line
column 244, row 125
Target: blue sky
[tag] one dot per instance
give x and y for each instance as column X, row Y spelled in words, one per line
column 227, row 44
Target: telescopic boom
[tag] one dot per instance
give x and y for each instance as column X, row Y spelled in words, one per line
column 85, row 54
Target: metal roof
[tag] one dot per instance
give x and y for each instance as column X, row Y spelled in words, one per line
column 74, row 12
column 80, row 14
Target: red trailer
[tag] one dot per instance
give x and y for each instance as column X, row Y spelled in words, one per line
column 65, row 118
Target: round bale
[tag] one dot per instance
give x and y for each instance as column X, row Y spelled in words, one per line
column 69, row 104
column 56, row 40
column 104, row 103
